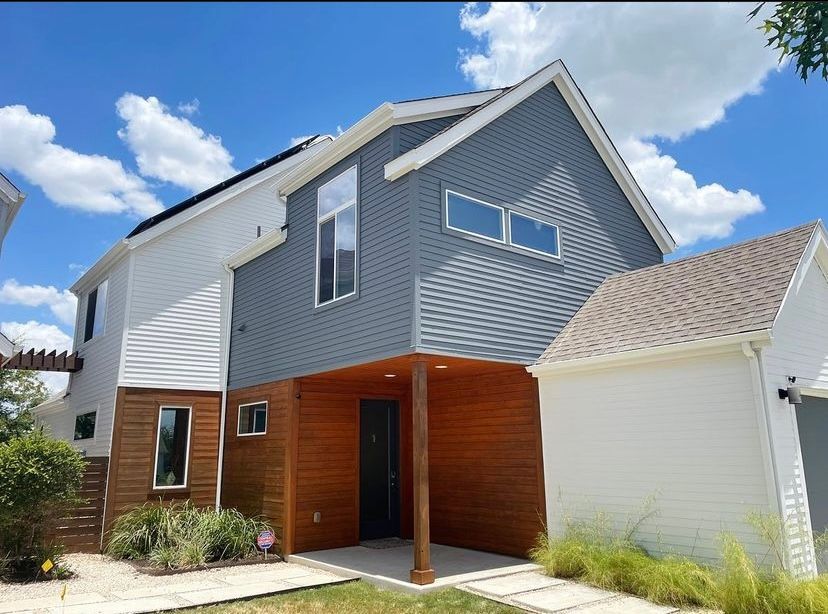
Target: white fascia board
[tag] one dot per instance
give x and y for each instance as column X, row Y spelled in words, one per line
column 443, row 106
column 256, row 248
column 97, row 270
column 251, row 182
column 679, row 350
column 817, row 249
column 7, row 347
column 557, row 73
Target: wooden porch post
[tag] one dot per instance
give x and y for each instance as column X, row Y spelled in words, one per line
column 422, row 572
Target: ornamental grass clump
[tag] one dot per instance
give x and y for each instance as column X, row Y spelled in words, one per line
column 180, row 535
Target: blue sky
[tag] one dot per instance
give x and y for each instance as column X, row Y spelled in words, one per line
column 264, row 74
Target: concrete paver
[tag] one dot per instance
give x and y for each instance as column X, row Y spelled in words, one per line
column 512, row 584
column 561, row 597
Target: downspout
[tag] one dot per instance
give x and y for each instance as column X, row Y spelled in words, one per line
column 225, row 376
column 757, row 372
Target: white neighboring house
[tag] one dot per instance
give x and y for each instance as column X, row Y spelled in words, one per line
column 11, row 199
column 668, row 384
column 152, row 311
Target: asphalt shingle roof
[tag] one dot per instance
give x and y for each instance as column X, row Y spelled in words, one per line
column 731, row 290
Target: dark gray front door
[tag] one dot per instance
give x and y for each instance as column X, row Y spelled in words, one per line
column 379, row 469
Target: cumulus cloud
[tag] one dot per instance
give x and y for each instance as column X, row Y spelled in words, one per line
column 649, row 70
column 189, row 108
column 33, row 334
column 171, row 148
column 62, row 303
column 86, row 182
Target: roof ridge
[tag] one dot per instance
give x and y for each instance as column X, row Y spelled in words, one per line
column 812, row 224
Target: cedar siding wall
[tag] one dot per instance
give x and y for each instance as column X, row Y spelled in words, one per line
column 254, row 466
column 481, row 299
column 485, row 465
column 134, row 443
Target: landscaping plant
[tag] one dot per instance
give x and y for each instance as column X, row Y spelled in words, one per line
column 39, row 482
column 178, row 535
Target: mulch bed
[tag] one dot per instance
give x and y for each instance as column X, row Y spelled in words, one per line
column 146, row 567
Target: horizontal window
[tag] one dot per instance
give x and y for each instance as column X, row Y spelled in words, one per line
column 85, row 425
column 252, row 418
column 474, row 216
column 534, row 235
column 172, row 447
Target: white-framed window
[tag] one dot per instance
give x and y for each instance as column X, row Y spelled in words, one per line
column 336, row 237
column 474, row 217
column 252, row 419
column 85, row 425
column 172, row 447
column 95, row 318
column 534, row 235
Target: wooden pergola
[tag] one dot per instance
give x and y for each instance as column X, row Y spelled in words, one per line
column 32, row 360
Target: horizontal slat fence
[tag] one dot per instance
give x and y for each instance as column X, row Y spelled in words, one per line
column 80, row 531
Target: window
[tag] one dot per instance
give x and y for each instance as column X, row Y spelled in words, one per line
column 172, row 447
column 532, row 234
column 336, row 237
column 474, row 216
column 85, row 425
column 95, row 312
column 252, row 419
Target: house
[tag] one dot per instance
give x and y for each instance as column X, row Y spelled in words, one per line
column 152, row 325
column 702, row 383
column 376, row 380
column 11, row 199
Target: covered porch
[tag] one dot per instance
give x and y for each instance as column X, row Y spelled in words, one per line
column 442, row 451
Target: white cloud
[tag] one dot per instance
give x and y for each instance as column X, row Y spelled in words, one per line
column 77, row 268
column 171, row 148
column 62, row 303
column 87, row 182
column 649, row 70
column 189, row 108
column 40, row 336
column 299, row 139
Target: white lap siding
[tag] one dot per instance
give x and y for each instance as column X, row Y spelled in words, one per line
column 681, row 431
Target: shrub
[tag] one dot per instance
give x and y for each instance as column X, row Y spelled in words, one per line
column 39, row 481
column 181, row 535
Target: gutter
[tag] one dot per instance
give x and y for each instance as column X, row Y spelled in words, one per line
column 231, row 275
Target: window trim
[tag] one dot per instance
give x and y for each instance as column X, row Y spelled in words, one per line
column 332, row 215
column 186, row 483
column 556, row 255
column 83, row 339
column 78, row 414
column 238, row 419
column 485, row 204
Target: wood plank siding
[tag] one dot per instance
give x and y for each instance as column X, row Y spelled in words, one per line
column 80, row 530
column 133, row 448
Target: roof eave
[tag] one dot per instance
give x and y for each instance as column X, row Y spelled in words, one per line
column 256, row 248
column 698, row 346
column 104, row 263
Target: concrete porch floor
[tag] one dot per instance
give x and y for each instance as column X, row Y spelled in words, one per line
column 389, row 567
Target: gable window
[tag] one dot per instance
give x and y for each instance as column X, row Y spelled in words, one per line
column 172, row 447
column 85, row 425
column 95, row 312
column 534, row 235
column 252, row 419
column 474, row 216
column 336, row 232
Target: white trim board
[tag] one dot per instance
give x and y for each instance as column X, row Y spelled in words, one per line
column 553, row 73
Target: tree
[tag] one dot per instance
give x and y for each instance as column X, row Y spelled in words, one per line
column 19, row 392
column 799, row 30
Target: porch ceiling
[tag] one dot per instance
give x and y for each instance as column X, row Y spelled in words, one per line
column 440, row 368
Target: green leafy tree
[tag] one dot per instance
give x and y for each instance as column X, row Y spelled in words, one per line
column 19, row 392
column 799, row 30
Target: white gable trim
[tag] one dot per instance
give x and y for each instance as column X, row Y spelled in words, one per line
column 816, row 250
column 558, row 74
column 378, row 121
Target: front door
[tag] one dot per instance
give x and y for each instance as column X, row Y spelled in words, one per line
column 379, row 469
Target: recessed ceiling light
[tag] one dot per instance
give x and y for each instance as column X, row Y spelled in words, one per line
column 390, row 375
column 441, row 366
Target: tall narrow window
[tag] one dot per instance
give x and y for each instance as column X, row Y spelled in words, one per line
column 172, row 447
column 95, row 312
column 336, row 237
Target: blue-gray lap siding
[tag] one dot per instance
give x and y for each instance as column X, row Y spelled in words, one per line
column 283, row 334
column 479, row 299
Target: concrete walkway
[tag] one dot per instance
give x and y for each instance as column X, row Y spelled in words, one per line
column 178, row 591
column 537, row 592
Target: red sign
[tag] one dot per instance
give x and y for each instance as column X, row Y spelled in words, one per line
column 266, row 539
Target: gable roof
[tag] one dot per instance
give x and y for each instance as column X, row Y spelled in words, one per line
column 728, row 291
column 508, row 98
column 194, row 200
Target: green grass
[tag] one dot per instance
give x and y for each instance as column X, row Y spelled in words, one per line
column 360, row 597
